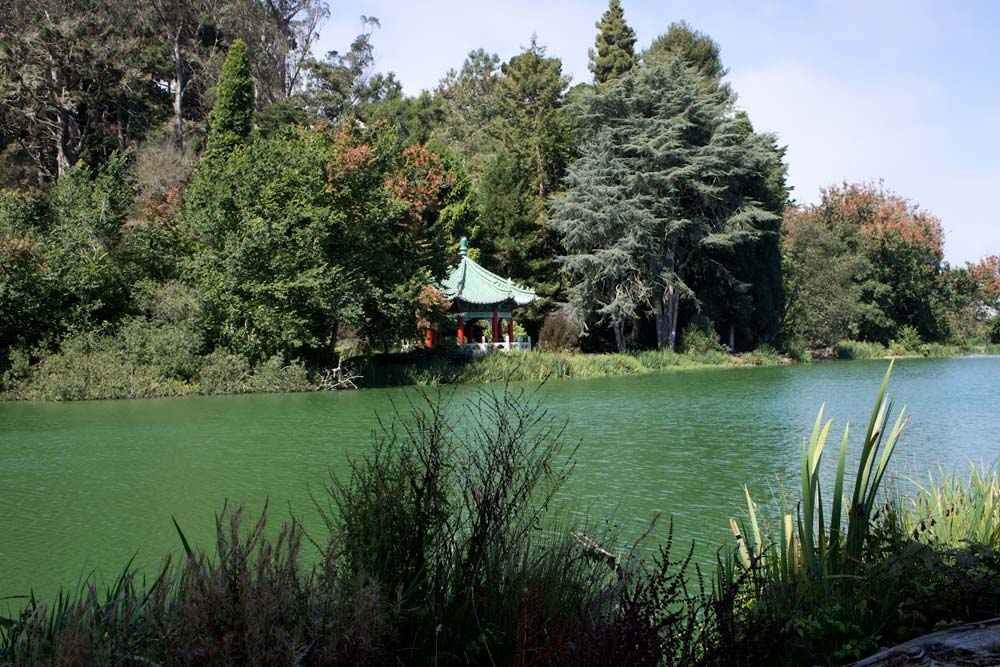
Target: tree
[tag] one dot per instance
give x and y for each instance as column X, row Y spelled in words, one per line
column 614, row 47
column 279, row 35
column 470, row 109
column 76, row 82
column 693, row 47
column 902, row 249
column 310, row 230
column 178, row 22
column 603, row 236
column 232, row 116
column 680, row 155
column 823, row 275
column 741, row 285
column 339, row 82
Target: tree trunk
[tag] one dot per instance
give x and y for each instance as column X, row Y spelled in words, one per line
column 67, row 138
column 540, row 167
column 665, row 311
column 332, row 347
column 619, row 327
column 178, row 90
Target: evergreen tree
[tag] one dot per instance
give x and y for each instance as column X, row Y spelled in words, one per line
column 693, row 47
column 232, row 116
column 614, row 47
column 603, row 236
column 679, row 156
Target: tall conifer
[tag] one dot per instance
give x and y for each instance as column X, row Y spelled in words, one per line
column 614, row 52
column 671, row 156
column 232, row 116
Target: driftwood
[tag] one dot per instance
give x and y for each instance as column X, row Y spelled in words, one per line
column 592, row 549
column 335, row 379
column 971, row 645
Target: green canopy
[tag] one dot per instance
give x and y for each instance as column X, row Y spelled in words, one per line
column 469, row 282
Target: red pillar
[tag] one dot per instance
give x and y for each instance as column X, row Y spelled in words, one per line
column 496, row 326
column 461, row 330
column 430, row 338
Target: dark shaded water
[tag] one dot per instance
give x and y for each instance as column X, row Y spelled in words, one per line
column 83, row 486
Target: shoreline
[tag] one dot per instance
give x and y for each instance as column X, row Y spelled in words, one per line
column 428, row 368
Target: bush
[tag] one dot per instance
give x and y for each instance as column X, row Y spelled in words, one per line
column 223, row 372
column 852, row 349
column 699, row 337
column 907, row 341
column 559, row 333
column 275, row 375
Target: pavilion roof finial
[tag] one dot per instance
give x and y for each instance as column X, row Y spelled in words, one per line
column 463, row 247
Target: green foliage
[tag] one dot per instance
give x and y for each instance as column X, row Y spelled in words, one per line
column 693, row 47
column 700, row 337
column 852, row 349
column 614, row 47
column 646, row 204
column 232, row 116
column 311, row 229
column 907, row 341
column 950, row 509
column 433, row 367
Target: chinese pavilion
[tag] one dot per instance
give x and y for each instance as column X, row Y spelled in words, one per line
column 478, row 294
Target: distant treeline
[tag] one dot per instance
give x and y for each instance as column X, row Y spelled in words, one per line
column 188, row 179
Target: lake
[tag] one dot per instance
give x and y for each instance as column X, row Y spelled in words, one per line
column 84, row 486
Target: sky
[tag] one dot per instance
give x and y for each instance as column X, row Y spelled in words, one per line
column 907, row 92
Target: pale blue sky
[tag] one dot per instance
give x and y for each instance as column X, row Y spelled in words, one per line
column 904, row 91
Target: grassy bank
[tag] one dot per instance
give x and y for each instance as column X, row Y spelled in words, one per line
column 852, row 349
column 148, row 362
column 454, row 367
column 444, row 548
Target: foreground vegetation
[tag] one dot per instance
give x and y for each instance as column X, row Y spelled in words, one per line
column 448, row 545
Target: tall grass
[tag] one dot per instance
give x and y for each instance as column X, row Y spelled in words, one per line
column 853, row 349
column 951, row 510
column 804, row 547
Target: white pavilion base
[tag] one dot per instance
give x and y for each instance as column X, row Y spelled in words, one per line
column 481, row 348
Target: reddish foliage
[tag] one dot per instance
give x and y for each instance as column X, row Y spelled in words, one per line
column 881, row 216
column 419, row 182
column 986, row 275
column 432, row 307
column 351, row 155
column 163, row 205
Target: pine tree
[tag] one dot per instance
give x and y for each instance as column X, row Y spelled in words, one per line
column 614, row 52
column 231, row 119
column 678, row 156
column 602, row 232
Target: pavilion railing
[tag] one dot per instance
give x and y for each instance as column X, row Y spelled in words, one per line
column 484, row 347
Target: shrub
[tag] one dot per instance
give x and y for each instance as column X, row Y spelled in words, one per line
column 907, row 341
column 275, row 375
column 700, row 337
column 172, row 349
column 852, row 349
column 223, row 372
column 559, row 333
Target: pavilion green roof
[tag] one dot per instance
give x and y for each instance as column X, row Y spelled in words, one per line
column 469, row 282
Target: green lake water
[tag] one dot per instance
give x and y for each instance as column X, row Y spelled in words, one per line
column 84, row 486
